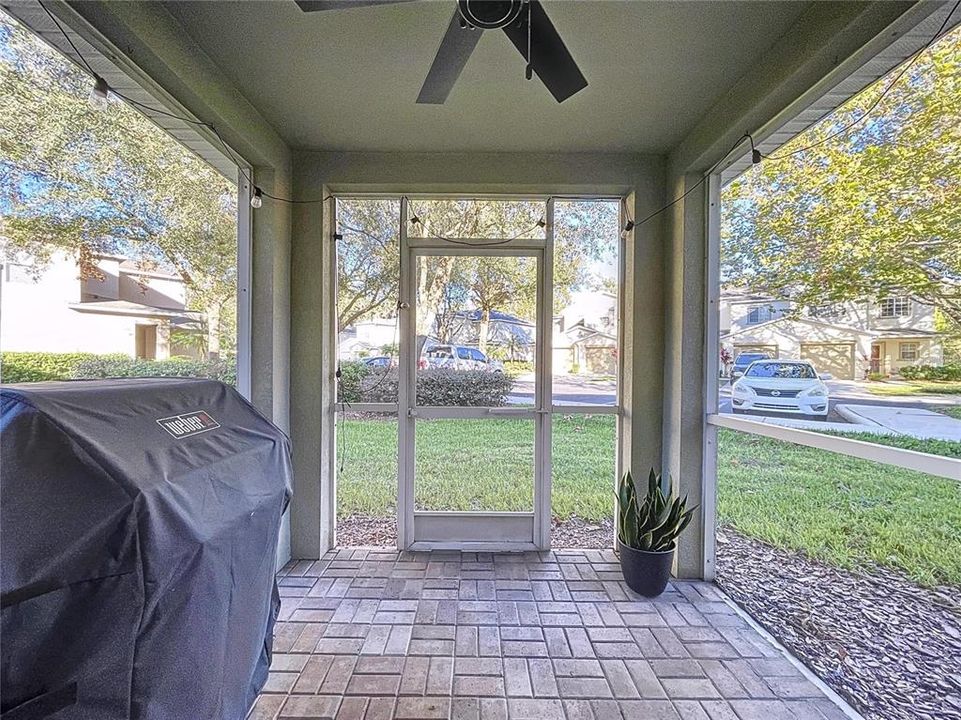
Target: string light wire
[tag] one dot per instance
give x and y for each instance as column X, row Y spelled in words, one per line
column 467, row 243
column 149, row 109
column 695, row 186
column 756, row 154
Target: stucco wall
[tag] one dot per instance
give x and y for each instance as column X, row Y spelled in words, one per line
column 37, row 315
column 788, row 335
column 930, row 352
column 919, row 317
column 317, row 173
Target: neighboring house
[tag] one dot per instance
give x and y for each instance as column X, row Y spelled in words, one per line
column 512, row 336
column 847, row 340
column 585, row 334
column 367, row 338
column 125, row 309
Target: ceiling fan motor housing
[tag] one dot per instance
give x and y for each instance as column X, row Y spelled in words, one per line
column 490, row 14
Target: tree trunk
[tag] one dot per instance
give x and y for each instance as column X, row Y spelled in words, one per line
column 431, row 284
column 483, row 330
column 213, row 332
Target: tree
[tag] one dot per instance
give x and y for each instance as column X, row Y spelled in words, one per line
column 368, row 257
column 872, row 212
column 86, row 182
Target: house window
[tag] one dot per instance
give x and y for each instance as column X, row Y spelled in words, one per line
column 895, row 307
column 908, row 351
column 762, row 314
column 17, row 273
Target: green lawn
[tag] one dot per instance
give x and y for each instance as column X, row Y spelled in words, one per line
column 915, row 387
column 479, row 464
column 947, row 448
column 842, row 510
column 953, row 411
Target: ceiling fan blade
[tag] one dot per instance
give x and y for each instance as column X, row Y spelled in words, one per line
column 452, row 55
column 318, row 5
column 550, row 58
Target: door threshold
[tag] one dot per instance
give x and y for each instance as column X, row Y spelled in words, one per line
column 474, row 546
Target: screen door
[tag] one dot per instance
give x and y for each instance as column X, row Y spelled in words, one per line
column 474, row 392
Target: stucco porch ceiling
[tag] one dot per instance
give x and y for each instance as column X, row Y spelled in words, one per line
column 348, row 79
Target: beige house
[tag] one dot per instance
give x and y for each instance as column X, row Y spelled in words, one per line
column 847, row 340
column 585, row 334
column 123, row 309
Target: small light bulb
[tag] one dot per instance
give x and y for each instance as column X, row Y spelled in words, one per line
column 98, row 94
column 256, row 200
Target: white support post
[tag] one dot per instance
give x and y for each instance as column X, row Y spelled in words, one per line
column 244, row 248
column 407, row 365
column 544, row 388
column 711, row 373
column 328, row 502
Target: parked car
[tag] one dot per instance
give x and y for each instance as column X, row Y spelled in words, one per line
column 784, row 386
column 380, row 362
column 743, row 360
column 460, row 357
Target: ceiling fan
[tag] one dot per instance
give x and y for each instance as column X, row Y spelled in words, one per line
column 525, row 23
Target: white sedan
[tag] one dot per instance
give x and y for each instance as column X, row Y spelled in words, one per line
column 784, row 386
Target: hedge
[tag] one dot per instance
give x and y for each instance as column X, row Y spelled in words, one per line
column 16, row 367
column 122, row 367
column 435, row 386
column 931, row 372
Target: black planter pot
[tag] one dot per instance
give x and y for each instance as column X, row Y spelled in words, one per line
column 646, row 573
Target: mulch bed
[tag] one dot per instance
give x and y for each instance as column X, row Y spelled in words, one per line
column 363, row 531
column 891, row 648
column 577, row 533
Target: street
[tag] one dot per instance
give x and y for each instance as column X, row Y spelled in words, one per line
column 583, row 390
column 567, row 390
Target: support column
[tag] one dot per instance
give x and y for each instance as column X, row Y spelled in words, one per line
column 643, row 333
column 270, row 315
column 312, row 380
column 685, row 272
column 270, row 312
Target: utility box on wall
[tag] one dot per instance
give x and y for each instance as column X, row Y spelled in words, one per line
column 140, row 521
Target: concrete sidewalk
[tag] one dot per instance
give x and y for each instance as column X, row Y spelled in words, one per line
column 913, row 422
column 814, row 425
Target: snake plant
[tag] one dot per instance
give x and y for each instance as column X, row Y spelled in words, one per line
column 653, row 522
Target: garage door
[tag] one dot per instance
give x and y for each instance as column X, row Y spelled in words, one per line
column 834, row 358
column 601, row 360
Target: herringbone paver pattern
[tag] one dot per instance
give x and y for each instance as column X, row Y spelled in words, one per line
column 373, row 635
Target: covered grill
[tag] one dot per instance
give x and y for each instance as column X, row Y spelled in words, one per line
column 140, row 522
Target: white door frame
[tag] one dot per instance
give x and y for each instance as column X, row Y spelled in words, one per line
column 490, row 531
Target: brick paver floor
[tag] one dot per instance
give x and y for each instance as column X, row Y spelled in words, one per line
column 373, row 635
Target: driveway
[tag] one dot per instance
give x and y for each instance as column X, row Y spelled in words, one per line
column 849, row 392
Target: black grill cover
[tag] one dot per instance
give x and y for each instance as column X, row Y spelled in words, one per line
column 140, row 521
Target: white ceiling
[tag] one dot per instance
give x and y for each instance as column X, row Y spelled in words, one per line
column 347, row 80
